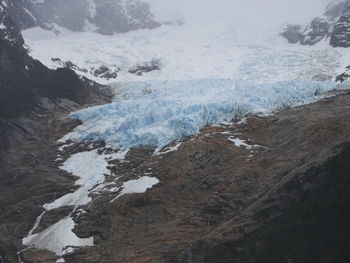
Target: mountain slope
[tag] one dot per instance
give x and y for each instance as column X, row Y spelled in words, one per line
column 102, row 16
column 24, row 82
column 333, row 25
column 271, row 189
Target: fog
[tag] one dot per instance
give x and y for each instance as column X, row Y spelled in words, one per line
column 254, row 12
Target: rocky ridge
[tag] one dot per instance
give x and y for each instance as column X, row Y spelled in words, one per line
column 333, row 25
column 102, row 16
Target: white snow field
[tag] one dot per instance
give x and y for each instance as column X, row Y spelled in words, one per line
column 218, row 39
column 58, row 238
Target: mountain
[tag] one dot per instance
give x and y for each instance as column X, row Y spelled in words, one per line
column 179, row 170
column 102, row 16
column 26, row 82
column 23, row 79
column 333, row 25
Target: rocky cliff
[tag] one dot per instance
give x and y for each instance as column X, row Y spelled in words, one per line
column 333, row 26
column 102, row 16
column 24, row 82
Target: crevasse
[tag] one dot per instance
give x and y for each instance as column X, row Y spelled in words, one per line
column 158, row 113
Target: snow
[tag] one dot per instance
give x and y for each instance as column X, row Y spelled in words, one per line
column 138, row 186
column 91, row 167
column 37, row 222
column 120, row 155
column 29, row 13
column 242, row 143
column 158, row 113
column 91, row 8
column 239, row 142
column 39, row 34
column 64, row 146
column 211, row 43
column 169, row 149
column 218, row 54
column 58, row 237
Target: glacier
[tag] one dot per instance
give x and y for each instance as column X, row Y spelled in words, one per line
column 157, row 113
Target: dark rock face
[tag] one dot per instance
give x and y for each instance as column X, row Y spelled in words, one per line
column 105, row 72
column 122, row 16
column 141, row 69
column 21, row 11
column 344, row 76
column 317, row 31
column 293, row 33
column 340, row 36
column 334, row 25
column 102, row 16
column 24, row 80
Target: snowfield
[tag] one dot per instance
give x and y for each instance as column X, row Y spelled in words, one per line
column 181, row 55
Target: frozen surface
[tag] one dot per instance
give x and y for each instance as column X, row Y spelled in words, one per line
column 137, row 186
column 242, row 143
column 187, row 52
column 210, row 70
column 159, row 112
column 169, row 149
column 58, row 237
column 91, row 167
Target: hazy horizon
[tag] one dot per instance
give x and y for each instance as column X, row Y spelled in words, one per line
column 271, row 12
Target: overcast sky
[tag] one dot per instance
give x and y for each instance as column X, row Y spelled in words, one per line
column 269, row 12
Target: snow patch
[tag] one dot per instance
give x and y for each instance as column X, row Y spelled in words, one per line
column 242, row 143
column 91, row 167
column 138, row 186
column 58, row 237
column 169, row 149
column 120, row 155
column 29, row 13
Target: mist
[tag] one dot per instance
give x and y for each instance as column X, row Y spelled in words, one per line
column 262, row 13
